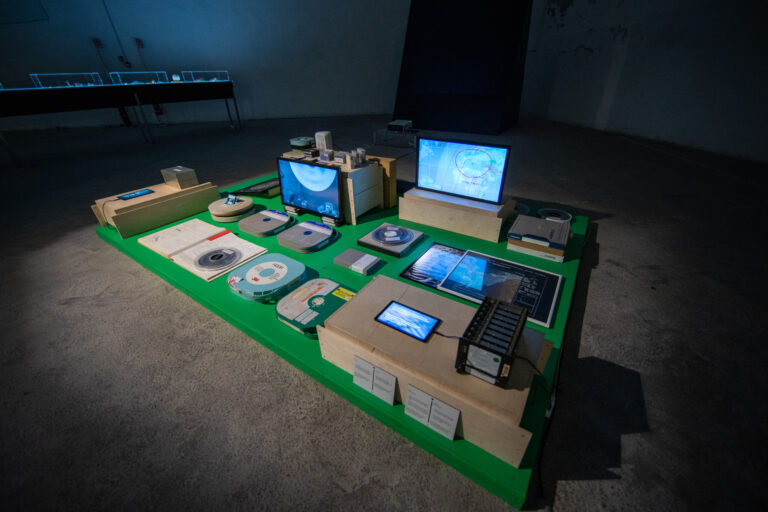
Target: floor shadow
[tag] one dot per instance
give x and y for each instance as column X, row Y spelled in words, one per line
column 597, row 402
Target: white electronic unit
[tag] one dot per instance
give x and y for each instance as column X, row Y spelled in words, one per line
column 323, row 140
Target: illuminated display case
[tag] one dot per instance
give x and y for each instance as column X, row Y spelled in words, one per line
column 44, row 80
column 138, row 77
column 205, row 76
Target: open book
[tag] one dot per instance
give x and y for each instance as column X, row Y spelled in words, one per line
column 206, row 250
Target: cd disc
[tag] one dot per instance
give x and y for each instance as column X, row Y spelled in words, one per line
column 218, row 258
column 554, row 214
column 392, row 235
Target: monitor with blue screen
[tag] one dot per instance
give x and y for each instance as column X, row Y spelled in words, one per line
column 311, row 187
column 475, row 171
column 412, row 322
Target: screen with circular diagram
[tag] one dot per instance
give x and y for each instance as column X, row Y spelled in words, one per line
column 463, row 169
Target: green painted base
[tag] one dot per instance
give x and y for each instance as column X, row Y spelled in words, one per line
column 260, row 322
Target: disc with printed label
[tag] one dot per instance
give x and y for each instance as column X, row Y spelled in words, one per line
column 266, row 278
column 218, row 258
column 555, row 215
column 391, row 239
column 265, row 223
column 307, row 236
column 392, row 235
column 311, row 304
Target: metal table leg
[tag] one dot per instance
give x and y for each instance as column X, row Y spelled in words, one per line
column 229, row 114
column 143, row 118
column 237, row 111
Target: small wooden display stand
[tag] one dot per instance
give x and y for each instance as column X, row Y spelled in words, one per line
column 165, row 204
column 490, row 416
column 457, row 214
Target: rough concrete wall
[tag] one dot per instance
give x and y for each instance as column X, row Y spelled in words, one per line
column 287, row 58
column 690, row 72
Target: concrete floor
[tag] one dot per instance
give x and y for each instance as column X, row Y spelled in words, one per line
column 119, row 392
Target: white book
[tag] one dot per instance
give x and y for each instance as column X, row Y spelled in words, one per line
column 175, row 239
column 217, row 255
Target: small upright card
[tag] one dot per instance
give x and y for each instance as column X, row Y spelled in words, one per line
column 384, row 385
column 418, row 404
column 443, row 418
column 434, row 413
column 363, row 374
column 374, row 380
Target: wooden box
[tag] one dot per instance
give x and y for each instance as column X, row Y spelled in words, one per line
column 389, row 180
column 490, row 416
column 362, row 190
column 457, row 214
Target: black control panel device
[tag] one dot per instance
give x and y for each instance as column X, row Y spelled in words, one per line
column 487, row 348
column 259, row 188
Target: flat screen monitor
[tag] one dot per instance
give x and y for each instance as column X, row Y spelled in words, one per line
column 462, row 169
column 408, row 320
column 311, row 187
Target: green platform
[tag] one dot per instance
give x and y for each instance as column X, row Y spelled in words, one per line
column 260, row 322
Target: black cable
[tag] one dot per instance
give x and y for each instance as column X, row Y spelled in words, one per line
column 109, row 17
column 516, row 356
column 103, row 62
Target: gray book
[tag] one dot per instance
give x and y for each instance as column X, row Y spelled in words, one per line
column 534, row 233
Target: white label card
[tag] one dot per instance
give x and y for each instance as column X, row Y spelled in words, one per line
column 374, row 380
column 437, row 415
column 418, row 404
column 443, row 418
column 363, row 374
column 384, row 385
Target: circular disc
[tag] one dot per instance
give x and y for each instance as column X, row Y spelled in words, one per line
column 220, row 208
column 556, row 215
column 218, row 258
column 392, row 235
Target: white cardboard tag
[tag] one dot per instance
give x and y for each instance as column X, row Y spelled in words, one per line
column 437, row 415
column 363, row 374
column 443, row 418
column 374, row 380
column 384, row 385
column 418, row 404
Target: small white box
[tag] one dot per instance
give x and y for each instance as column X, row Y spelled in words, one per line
column 179, row 177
